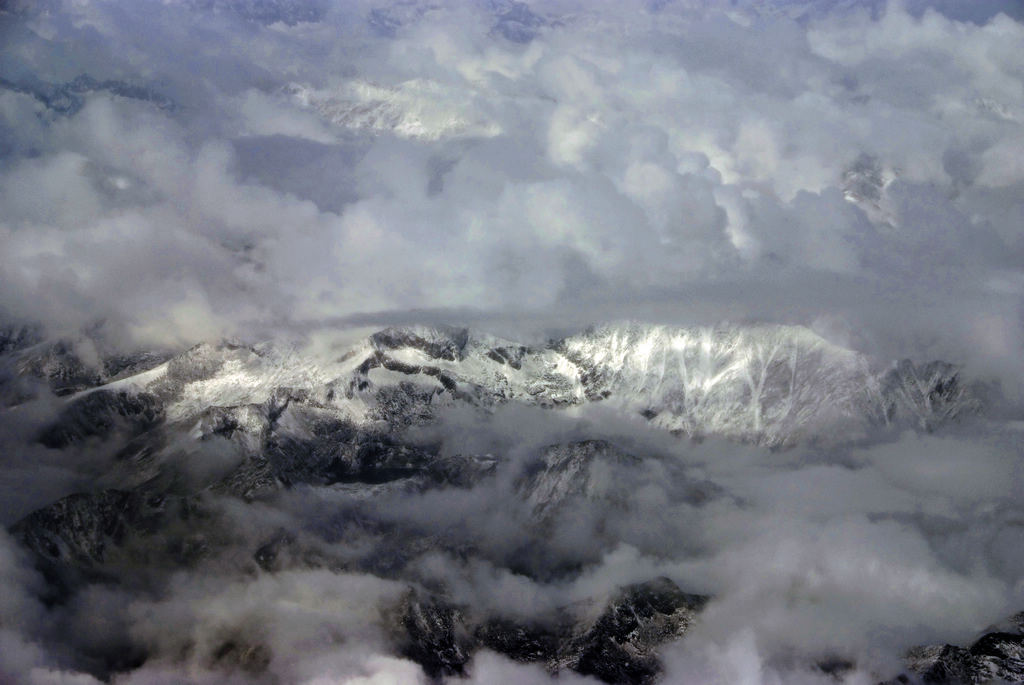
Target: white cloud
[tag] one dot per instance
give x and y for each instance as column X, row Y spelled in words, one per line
column 651, row 160
column 621, row 150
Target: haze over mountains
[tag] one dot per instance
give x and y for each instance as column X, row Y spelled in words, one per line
column 524, row 342
column 491, row 480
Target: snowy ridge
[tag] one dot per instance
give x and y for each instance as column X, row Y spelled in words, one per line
column 768, row 383
column 198, row 439
column 418, row 109
column 774, row 385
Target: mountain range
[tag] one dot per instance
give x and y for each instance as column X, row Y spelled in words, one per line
column 197, row 437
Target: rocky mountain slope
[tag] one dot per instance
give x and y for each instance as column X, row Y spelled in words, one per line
column 773, row 385
column 195, row 435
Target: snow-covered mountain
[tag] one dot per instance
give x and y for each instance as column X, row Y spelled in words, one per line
column 297, row 415
column 198, row 438
column 418, row 109
column 774, row 385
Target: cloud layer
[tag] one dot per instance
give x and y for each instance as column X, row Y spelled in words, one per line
column 237, row 168
column 232, row 163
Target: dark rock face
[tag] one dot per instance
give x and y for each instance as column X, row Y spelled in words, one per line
column 594, row 470
column 68, row 98
column 403, row 405
column 994, row 657
column 436, row 638
column 339, row 453
column 196, row 364
column 329, row 451
column 61, row 367
column 569, row 471
column 509, row 354
column 89, row 536
column 122, row 365
column 863, row 179
column 101, row 413
column 925, row 395
column 595, row 378
column 251, row 480
column 249, row 657
column 69, row 365
column 79, row 528
column 440, row 343
column 283, row 550
column 531, row 643
column 15, row 338
column 619, row 646
column 461, row 471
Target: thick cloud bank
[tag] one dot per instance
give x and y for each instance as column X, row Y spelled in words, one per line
column 187, row 169
column 297, row 500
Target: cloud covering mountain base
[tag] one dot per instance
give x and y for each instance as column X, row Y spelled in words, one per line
column 238, row 444
column 439, row 503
